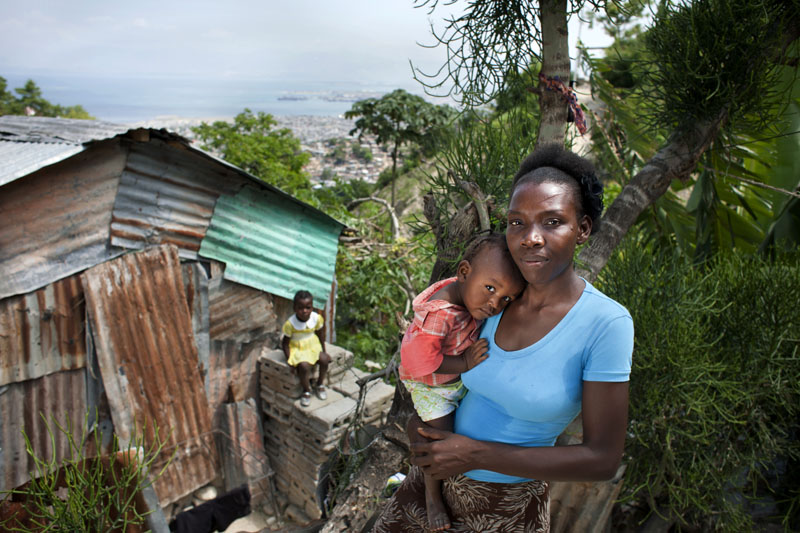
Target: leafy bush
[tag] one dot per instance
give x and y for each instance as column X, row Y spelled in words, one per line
column 361, row 152
column 715, row 385
column 375, row 284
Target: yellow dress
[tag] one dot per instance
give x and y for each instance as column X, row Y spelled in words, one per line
column 304, row 345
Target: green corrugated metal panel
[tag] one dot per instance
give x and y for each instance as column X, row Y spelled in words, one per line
column 272, row 244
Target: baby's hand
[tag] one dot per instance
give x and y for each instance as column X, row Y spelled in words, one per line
column 476, row 353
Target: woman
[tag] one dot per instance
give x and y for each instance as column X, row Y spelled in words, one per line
column 562, row 347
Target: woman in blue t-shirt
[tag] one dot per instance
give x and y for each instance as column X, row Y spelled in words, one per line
column 561, row 348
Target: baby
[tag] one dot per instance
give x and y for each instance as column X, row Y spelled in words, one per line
column 304, row 345
column 442, row 341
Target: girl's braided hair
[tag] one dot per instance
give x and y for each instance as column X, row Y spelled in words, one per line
column 582, row 172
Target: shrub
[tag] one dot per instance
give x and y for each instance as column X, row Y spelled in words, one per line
column 86, row 492
column 715, row 385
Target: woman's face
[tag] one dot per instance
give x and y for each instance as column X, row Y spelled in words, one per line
column 544, row 227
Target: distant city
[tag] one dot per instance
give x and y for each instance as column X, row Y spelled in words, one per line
column 330, row 96
column 134, row 100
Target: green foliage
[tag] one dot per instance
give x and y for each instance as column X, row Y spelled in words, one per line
column 252, row 143
column 486, row 152
column 376, row 284
column 85, row 493
column 711, row 56
column 517, row 92
column 398, row 119
column 338, row 151
column 361, row 152
column 30, row 98
column 340, row 148
column 740, row 197
column 715, row 385
column 485, row 43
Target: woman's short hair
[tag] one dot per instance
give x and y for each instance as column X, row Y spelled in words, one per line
column 580, row 170
column 302, row 295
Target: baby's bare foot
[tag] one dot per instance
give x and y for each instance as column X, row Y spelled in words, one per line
column 438, row 519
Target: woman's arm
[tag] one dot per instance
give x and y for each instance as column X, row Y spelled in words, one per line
column 605, row 418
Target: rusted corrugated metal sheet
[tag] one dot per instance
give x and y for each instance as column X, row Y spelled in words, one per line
column 55, row 222
column 148, row 360
column 239, row 313
column 61, row 397
column 273, row 245
column 167, row 195
column 240, row 441
column 42, row 332
column 195, row 282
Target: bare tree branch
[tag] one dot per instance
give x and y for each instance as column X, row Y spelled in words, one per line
column 387, row 206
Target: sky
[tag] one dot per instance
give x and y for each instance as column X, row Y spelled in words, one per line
column 369, row 41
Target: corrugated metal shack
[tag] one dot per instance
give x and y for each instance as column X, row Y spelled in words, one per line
column 140, row 278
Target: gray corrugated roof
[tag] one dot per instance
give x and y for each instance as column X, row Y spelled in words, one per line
column 57, row 130
column 19, row 159
column 36, row 142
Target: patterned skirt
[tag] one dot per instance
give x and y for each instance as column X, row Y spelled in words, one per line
column 473, row 506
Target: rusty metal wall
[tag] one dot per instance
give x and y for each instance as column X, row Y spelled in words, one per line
column 42, row 332
column 240, row 313
column 167, row 195
column 232, row 373
column 60, row 397
column 195, row 280
column 55, row 222
column 147, row 356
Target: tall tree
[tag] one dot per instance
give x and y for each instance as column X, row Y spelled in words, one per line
column 30, row 101
column 713, row 62
column 252, row 143
column 399, row 118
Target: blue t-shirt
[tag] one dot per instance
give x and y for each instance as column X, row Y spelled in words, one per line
column 528, row 397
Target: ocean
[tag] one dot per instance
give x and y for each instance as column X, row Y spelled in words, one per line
column 132, row 100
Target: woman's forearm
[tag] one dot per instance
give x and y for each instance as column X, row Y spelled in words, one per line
column 552, row 463
column 596, row 458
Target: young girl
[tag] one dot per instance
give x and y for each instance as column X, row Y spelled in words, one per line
column 440, row 343
column 304, row 345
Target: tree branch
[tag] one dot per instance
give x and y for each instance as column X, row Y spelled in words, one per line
column 676, row 160
column 389, row 208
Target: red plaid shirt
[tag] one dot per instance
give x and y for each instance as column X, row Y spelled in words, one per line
column 439, row 328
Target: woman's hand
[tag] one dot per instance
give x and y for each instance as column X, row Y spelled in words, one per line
column 445, row 454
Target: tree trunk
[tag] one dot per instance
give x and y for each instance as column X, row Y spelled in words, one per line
column 675, row 161
column 450, row 239
column 555, row 63
column 395, row 153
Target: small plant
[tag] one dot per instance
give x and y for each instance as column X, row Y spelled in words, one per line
column 99, row 493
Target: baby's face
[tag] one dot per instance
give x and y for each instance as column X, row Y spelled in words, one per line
column 303, row 308
column 491, row 283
